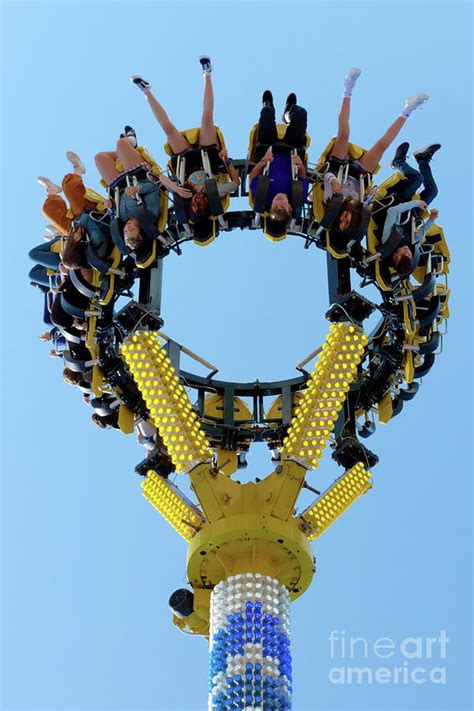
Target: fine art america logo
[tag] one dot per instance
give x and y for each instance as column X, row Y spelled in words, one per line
column 409, row 660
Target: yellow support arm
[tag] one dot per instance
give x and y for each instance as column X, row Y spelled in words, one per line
column 170, row 409
column 171, row 503
column 319, row 406
column 336, row 500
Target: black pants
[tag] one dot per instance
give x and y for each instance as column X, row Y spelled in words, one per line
column 295, row 135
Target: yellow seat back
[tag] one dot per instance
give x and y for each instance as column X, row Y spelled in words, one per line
column 275, row 410
column 97, row 381
column 214, row 408
column 125, row 420
column 96, row 198
column 281, row 130
column 192, row 137
column 147, row 158
column 354, row 152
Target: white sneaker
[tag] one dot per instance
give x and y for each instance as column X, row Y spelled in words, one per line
column 414, row 102
column 51, row 188
column 351, row 78
column 76, row 162
column 52, row 231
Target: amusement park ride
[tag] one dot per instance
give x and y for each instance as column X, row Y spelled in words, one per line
column 249, row 547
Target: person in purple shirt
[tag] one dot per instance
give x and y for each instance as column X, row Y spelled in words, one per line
column 278, row 200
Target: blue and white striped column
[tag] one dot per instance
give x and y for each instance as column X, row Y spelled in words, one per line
column 250, row 658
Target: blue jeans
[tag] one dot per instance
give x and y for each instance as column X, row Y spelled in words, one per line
column 39, row 275
column 415, row 178
column 43, row 255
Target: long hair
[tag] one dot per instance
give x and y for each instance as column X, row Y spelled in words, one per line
column 74, row 254
column 354, row 207
column 199, row 207
column 404, row 265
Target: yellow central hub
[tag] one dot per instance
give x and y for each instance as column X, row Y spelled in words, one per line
column 251, row 543
column 250, row 528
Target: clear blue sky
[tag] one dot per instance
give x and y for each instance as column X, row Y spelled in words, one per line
column 88, row 565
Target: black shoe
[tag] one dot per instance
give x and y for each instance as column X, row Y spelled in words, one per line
column 290, row 102
column 267, row 98
column 427, row 152
column 129, row 131
column 400, row 154
column 205, row 62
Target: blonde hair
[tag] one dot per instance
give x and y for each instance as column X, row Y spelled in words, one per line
column 281, row 215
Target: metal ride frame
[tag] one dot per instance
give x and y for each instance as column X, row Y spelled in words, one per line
column 249, row 552
column 383, row 374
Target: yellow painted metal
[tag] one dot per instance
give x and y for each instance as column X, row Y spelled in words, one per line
column 253, row 139
column 275, row 411
column 198, row 621
column 251, row 528
column 222, row 497
column 443, row 290
column 214, row 409
column 147, row 157
column 353, row 150
column 163, row 219
column 150, row 259
column 212, row 233
column 97, row 381
column 226, row 460
column 251, row 543
column 408, row 366
column 171, row 503
column 324, row 397
column 385, row 408
column 192, row 136
column 170, row 409
column 125, row 420
column 92, row 196
column 267, row 230
column 214, row 412
column 91, row 323
column 337, row 499
column 192, row 624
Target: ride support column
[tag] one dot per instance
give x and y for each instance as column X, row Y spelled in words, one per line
column 250, row 658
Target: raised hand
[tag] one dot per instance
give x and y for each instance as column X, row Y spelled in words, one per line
column 184, row 192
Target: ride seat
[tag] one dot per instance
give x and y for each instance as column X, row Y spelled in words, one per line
column 337, row 248
column 257, row 204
